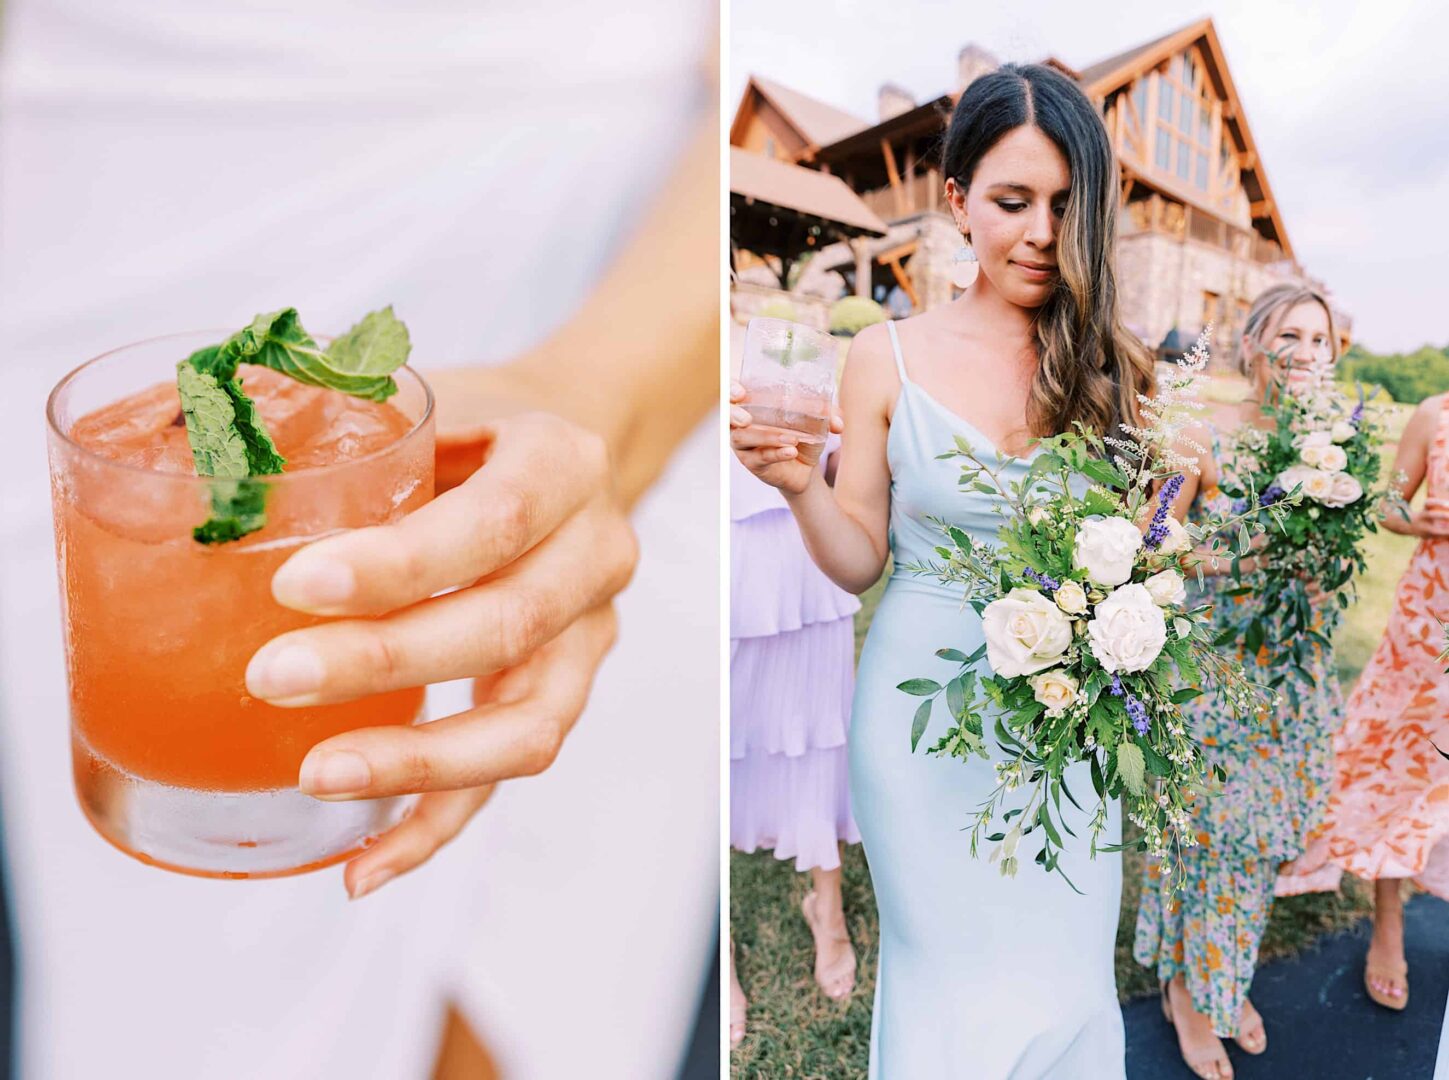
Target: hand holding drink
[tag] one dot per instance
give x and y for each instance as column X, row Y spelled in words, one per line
column 783, row 402
column 206, row 660
column 789, row 380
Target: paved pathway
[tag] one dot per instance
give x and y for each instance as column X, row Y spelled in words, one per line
column 1320, row 1023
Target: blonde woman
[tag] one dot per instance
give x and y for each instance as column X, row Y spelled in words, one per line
column 1203, row 940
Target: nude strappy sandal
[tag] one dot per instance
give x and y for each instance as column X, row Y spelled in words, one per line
column 839, row 981
column 1393, row 973
column 1206, row 1063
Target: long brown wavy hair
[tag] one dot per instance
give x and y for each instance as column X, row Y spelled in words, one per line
column 1090, row 367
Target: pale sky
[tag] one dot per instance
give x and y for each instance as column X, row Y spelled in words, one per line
column 1348, row 103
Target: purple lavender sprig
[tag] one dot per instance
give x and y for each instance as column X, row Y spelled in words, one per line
column 1272, row 494
column 1047, row 582
column 1157, row 531
column 1135, row 709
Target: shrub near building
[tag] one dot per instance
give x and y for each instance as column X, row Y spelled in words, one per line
column 852, row 314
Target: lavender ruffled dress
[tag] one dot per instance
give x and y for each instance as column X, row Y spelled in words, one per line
column 792, row 661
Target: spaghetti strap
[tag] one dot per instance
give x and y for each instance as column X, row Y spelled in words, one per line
column 896, row 347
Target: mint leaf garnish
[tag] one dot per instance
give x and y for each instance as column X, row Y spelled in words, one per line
column 238, row 507
column 217, row 447
column 360, row 362
column 228, row 441
column 227, row 436
column 791, row 350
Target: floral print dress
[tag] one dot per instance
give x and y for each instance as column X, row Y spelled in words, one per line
column 1390, row 804
column 1279, row 771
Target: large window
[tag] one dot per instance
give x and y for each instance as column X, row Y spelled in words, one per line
column 1184, row 121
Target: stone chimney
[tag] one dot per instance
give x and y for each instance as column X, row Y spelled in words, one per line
column 892, row 100
column 971, row 63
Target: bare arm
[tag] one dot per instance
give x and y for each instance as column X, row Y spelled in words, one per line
column 1206, row 477
column 1413, row 460
column 844, row 528
column 641, row 383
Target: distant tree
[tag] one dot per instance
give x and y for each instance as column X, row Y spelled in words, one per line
column 1408, row 378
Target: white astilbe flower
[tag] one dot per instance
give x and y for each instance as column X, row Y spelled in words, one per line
column 1165, row 417
column 1314, row 387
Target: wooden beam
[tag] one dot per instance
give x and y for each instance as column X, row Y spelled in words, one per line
column 1248, row 159
column 904, row 281
column 888, row 152
column 1261, row 208
column 1134, row 135
column 900, row 251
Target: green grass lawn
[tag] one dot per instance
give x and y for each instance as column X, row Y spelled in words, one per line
column 795, row 1031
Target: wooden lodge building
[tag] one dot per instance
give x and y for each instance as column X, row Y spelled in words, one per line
column 1200, row 232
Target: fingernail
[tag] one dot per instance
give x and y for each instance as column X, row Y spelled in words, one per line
column 309, row 583
column 334, row 772
column 739, row 416
column 371, row 883
column 284, row 672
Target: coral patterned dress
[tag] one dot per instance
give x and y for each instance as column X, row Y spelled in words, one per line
column 1390, row 802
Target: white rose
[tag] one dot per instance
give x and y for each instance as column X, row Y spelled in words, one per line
column 1166, row 588
column 1343, row 431
column 1332, row 458
column 1127, row 630
column 1313, row 455
column 1055, row 689
column 1025, row 633
column 1345, row 490
column 1294, row 475
column 1313, row 438
column 1105, row 549
column 1318, row 485
column 1072, row 598
column 1176, row 538
column 1036, row 515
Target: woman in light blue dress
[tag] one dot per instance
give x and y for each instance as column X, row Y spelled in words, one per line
column 981, row 975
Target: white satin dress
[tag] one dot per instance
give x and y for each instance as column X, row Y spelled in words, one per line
column 173, row 164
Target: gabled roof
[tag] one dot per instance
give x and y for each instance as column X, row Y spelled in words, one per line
column 819, row 124
column 806, row 191
column 1115, row 72
column 1103, row 68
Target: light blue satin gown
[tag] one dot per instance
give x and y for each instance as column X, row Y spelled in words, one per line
column 981, row 976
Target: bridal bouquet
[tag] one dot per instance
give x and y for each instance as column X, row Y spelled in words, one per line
column 1092, row 645
column 1331, row 454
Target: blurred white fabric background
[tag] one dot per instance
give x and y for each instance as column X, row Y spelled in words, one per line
column 178, row 164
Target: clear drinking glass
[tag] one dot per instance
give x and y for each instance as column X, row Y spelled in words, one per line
column 175, row 763
column 788, row 373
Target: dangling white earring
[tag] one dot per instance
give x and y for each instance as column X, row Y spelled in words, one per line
column 963, row 265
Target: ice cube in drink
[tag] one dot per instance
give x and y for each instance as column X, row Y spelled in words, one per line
column 799, row 409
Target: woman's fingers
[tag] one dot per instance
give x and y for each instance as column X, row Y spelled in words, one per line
column 540, row 470
column 498, row 740
column 739, row 418
column 837, row 423
column 737, row 392
column 495, row 624
column 757, row 437
column 435, row 819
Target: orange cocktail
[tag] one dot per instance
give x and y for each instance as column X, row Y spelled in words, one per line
column 175, row 763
